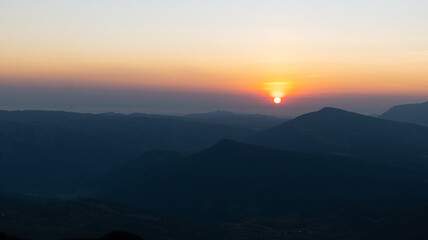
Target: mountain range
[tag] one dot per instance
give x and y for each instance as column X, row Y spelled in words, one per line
column 46, row 156
column 330, row 174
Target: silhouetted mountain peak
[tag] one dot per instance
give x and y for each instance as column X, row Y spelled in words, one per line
column 332, row 110
column 328, row 115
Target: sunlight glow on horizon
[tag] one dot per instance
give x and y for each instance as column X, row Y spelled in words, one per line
column 277, row 89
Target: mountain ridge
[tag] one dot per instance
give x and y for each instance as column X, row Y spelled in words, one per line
column 337, row 131
column 412, row 113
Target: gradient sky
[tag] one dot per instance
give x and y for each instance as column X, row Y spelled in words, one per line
column 372, row 53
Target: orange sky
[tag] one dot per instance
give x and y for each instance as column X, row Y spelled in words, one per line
column 227, row 46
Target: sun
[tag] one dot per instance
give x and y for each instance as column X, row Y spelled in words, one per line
column 277, row 90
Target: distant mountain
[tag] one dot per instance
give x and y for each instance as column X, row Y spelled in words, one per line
column 50, row 116
column 61, row 116
column 42, row 156
column 340, row 132
column 251, row 121
column 411, row 113
column 248, row 121
column 236, row 180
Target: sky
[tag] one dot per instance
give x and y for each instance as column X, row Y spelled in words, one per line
column 186, row 56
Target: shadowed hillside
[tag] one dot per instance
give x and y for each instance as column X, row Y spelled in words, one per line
column 233, row 179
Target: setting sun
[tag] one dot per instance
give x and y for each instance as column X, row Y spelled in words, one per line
column 277, row 100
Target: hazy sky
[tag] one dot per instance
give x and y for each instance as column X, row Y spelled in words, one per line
column 187, row 55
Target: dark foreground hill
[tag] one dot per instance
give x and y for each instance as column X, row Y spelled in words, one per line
column 92, row 219
column 411, row 113
column 116, row 235
column 236, row 191
column 412, row 224
column 340, row 132
column 40, row 156
column 235, row 180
